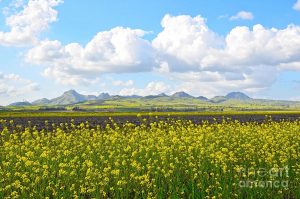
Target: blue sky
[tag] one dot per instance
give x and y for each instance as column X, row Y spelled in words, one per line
column 148, row 47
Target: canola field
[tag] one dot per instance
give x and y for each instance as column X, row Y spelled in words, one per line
column 162, row 159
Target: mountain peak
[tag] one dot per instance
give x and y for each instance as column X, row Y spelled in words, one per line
column 42, row 101
column 156, row 96
column 162, row 95
column 68, row 97
column 103, row 96
column 25, row 103
column 237, row 95
column 202, row 98
column 71, row 92
column 181, row 94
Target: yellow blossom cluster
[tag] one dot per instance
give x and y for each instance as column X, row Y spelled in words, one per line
column 161, row 159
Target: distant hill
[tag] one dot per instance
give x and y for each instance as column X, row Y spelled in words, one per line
column 71, row 97
column 43, row 101
column 156, row 96
column 20, row 104
column 202, row 98
column 162, row 95
column 127, row 96
column 177, row 101
column 238, row 96
column 103, row 96
column 182, row 94
column 2, row 108
column 218, row 99
column 230, row 96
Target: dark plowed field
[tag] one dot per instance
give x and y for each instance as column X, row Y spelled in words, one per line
column 39, row 122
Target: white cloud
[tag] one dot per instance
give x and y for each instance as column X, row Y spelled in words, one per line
column 246, row 48
column 152, row 88
column 163, row 68
column 17, row 3
column 185, row 41
column 65, row 76
column 293, row 66
column 185, row 49
column 26, row 24
column 244, row 15
column 123, row 83
column 243, row 60
column 223, row 16
column 194, row 47
column 297, row 5
column 14, row 87
column 210, row 84
column 118, row 50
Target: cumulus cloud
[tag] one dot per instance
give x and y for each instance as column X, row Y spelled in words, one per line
column 65, row 76
column 257, row 47
column 210, row 84
column 123, row 83
column 241, row 53
column 194, row 47
column 244, row 15
column 117, row 50
column 152, row 88
column 241, row 60
column 297, row 5
column 26, row 24
column 292, row 66
column 185, row 41
column 12, row 86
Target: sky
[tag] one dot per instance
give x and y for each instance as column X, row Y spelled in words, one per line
column 205, row 48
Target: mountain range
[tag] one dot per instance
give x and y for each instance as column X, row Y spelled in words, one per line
column 72, row 97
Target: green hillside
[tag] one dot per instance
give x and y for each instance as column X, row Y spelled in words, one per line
column 180, row 101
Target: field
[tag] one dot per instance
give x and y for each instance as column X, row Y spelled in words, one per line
column 37, row 119
column 163, row 155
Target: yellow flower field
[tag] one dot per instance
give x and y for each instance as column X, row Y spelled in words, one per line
column 173, row 159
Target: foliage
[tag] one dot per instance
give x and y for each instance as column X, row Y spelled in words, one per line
column 176, row 159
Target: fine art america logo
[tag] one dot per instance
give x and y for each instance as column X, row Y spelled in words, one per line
column 264, row 178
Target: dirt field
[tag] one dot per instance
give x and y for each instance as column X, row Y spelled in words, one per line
column 39, row 122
